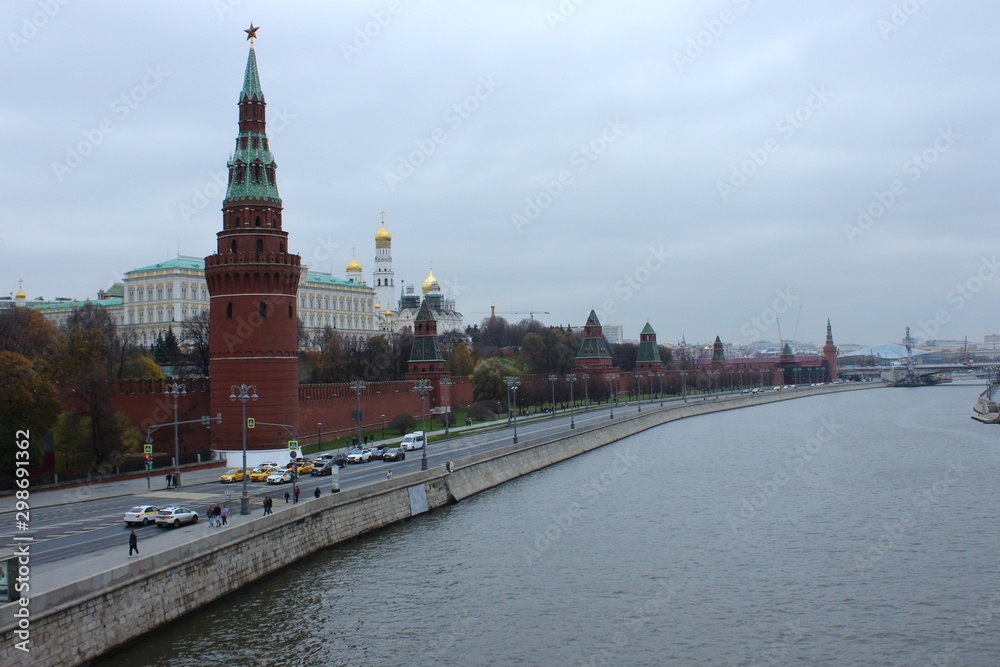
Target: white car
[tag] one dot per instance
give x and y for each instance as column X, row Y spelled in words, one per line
column 143, row 514
column 280, row 477
column 412, row 441
column 175, row 516
column 359, row 456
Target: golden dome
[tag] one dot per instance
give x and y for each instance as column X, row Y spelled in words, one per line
column 430, row 283
column 353, row 264
column 388, row 313
column 383, row 235
column 20, row 291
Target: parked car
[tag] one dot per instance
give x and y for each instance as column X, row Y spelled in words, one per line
column 280, row 477
column 413, row 440
column 359, row 456
column 144, row 514
column 379, row 451
column 230, row 476
column 340, row 459
column 175, row 516
column 324, row 457
column 304, row 466
column 394, row 454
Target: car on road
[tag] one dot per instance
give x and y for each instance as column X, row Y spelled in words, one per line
column 379, row 451
column 324, row 467
column 280, row 477
column 261, row 473
column 394, row 454
column 175, row 516
column 305, row 466
column 144, row 514
column 413, row 440
column 230, row 476
column 359, row 456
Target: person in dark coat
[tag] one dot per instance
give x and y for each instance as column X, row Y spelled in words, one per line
column 297, row 493
column 133, row 544
column 316, row 492
column 287, row 496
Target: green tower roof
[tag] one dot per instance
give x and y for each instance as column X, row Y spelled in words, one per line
column 251, row 79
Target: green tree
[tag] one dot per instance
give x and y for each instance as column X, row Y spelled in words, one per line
column 460, row 361
column 28, row 403
column 488, row 380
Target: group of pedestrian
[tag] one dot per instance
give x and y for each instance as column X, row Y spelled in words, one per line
column 218, row 516
column 172, row 480
column 268, row 504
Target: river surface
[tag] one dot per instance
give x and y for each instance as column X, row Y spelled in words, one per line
column 850, row 529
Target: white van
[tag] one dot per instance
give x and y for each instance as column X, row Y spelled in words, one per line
column 412, row 441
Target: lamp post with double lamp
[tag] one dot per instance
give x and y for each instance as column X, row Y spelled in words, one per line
column 586, row 392
column 614, row 391
column 650, row 375
column 383, row 426
column 552, row 379
column 319, row 433
column 684, row 387
column 176, row 389
column 244, row 393
column 638, row 390
column 357, row 386
column 571, row 378
column 446, row 382
column 423, row 387
column 513, row 382
column 660, row 377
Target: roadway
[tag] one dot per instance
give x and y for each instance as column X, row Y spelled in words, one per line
column 80, row 521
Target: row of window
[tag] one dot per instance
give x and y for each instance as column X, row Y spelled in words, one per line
column 147, row 293
column 324, row 303
column 140, row 316
column 337, row 321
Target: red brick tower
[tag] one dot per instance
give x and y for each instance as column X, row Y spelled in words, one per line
column 594, row 355
column 253, row 280
column 426, row 360
column 830, row 355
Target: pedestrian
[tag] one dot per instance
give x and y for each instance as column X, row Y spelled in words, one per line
column 267, row 505
column 133, row 544
column 286, row 497
column 169, row 479
column 297, row 493
column 217, row 513
column 316, row 492
column 388, row 475
column 224, row 513
column 175, row 478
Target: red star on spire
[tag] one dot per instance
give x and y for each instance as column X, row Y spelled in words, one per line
column 252, row 31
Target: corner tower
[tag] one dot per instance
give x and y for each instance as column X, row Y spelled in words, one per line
column 252, row 281
column 830, row 355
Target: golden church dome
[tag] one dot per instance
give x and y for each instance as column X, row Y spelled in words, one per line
column 430, row 283
column 353, row 265
column 383, row 234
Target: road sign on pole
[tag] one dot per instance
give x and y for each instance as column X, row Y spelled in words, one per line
column 293, row 444
column 147, row 449
column 250, row 422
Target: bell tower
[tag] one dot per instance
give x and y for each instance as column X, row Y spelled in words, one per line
column 252, row 281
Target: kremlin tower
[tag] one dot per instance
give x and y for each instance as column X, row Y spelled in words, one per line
column 252, row 280
column 830, row 355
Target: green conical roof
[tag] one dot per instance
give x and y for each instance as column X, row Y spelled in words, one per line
column 648, row 330
column 592, row 321
column 251, row 80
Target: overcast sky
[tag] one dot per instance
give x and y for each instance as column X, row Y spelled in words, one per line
column 705, row 166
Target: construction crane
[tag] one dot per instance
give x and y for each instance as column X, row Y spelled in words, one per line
column 529, row 313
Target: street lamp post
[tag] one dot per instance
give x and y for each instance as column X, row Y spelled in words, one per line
column 730, row 380
column 176, row 389
column 684, row 395
column 512, row 382
column 638, row 390
column 423, row 387
column 358, row 386
column 552, row 379
column 660, row 377
column 586, row 392
column 614, row 393
column 650, row 376
column 319, row 433
column 446, row 382
column 571, row 378
column 383, row 426
column 244, row 393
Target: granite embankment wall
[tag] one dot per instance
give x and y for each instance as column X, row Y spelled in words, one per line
column 76, row 623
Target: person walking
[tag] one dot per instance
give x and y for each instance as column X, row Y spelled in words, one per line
column 297, row 493
column 316, row 492
column 133, row 544
column 267, row 505
column 286, row 497
column 169, row 479
column 224, row 513
column 388, row 475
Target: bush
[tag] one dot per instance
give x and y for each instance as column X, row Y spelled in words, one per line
column 403, row 423
column 482, row 411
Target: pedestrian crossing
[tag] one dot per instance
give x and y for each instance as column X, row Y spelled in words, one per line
column 180, row 497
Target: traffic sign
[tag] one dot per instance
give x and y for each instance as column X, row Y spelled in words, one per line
column 147, row 449
column 250, row 422
column 293, row 454
column 293, row 444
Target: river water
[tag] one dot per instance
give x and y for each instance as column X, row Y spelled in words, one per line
column 850, row 529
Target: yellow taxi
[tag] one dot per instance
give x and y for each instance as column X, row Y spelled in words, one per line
column 260, row 473
column 234, row 475
column 305, row 466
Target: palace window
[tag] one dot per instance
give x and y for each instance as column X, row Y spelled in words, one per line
column 184, row 291
column 170, row 292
